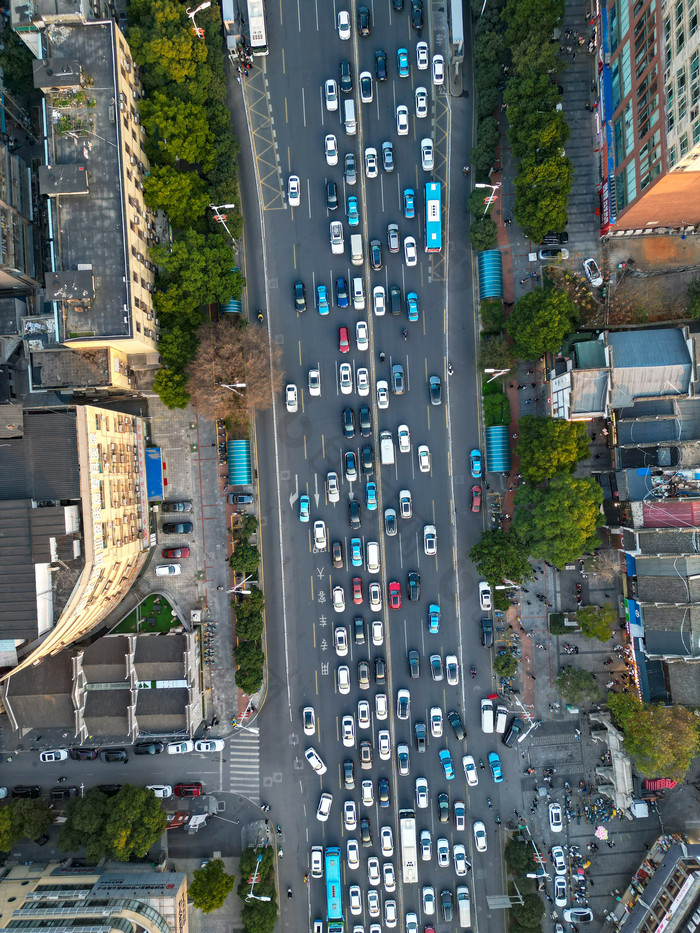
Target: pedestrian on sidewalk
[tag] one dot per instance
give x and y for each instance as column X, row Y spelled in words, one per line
column 523, row 281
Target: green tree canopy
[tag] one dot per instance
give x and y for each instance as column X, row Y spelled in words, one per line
column 16, row 63
column 496, row 407
column 32, row 817
column 577, row 685
column 171, row 387
column 250, row 660
column 528, row 915
column 539, row 322
column 559, row 522
column 662, row 740
column 246, row 557
column 178, row 346
column 531, row 17
column 483, row 234
column 541, row 195
column 178, row 130
column 202, row 265
column 505, row 665
column 162, row 40
column 211, row 886
column 518, row 855
column 501, row 555
column 182, row 195
column 548, row 446
column 258, row 916
column 495, row 353
column 597, row 621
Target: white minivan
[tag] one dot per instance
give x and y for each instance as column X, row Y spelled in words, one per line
column 358, row 293
column 372, row 551
column 464, row 907
column 486, row 715
column 501, row 717
column 349, row 120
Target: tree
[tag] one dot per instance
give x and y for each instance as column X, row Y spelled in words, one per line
column 518, row 855
column 496, row 408
column 245, row 558
column 8, row 828
column 178, row 130
column 171, row 387
column 161, row 39
column 492, row 314
column 501, row 555
column 531, row 17
column 478, row 205
column 178, row 346
column 548, row 446
column 32, row 817
column 250, row 659
column 606, row 565
column 486, row 102
column 505, row 665
column 249, row 627
column 258, row 916
column 528, row 915
column 577, row 685
column 663, row 740
column 494, row 353
column 182, row 195
column 559, row 522
column 211, row 886
column 236, row 356
column 483, row 234
column 539, row 322
column 16, row 63
column 541, row 194
column 597, row 621
column 482, row 158
column 202, row 267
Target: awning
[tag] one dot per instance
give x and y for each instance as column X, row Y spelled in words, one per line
column 490, row 274
column 154, row 472
column 239, row 470
column 498, row 449
column 232, row 306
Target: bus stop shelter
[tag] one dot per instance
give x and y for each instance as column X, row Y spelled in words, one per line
column 490, row 274
column 239, row 469
column 498, row 449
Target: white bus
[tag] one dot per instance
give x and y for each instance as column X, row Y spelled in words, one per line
column 409, row 849
column 256, row 27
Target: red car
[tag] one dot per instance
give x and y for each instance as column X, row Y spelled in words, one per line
column 394, row 595
column 189, row 790
column 475, row 503
column 176, row 552
column 356, row 590
column 343, row 340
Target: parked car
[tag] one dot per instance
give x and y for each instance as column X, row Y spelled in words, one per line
column 590, row 267
column 177, row 528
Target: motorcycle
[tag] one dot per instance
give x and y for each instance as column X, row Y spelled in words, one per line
column 473, row 672
column 481, row 764
column 488, row 801
column 289, row 892
column 404, row 334
column 260, row 317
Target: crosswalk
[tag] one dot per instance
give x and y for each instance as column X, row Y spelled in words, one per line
column 244, row 765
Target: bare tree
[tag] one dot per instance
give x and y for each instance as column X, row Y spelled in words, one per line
column 607, row 566
column 234, row 370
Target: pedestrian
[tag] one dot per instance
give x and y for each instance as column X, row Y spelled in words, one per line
column 533, row 275
column 219, row 587
column 593, row 436
column 549, row 898
column 515, row 436
column 573, row 57
column 597, row 457
column 523, row 281
column 527, row 401
column 592, row 883
column 528, row 602
column 588, row 106
column 532, row 676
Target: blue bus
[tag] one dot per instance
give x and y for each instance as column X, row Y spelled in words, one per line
column 334, row 891
column 433, row 217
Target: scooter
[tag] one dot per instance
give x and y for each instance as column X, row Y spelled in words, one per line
column 289, row 892
column 473, row 672
column 488, row 801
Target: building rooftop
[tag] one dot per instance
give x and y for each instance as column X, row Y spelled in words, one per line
column 672, row 630
column 668, row 589
column 162, row 711
column 589, row 354
column 589, row 391
column 42, row 465
column 41, row 697
column 662, row 540
column 683, row 682
column 55, row 368
column 648, row 364
column 105, row 660
column 107, row 712
column 158, row 658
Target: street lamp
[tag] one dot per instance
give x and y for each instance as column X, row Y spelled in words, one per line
column 191, row 13
column 492, row 197
column 233, row 387
column 496, row 374
column 253, row 881
column 219, row 217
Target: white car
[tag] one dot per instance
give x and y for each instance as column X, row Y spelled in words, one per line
column 442, row 850
column 320, row 537
column 428, row 900
column 421, row 103
column 180, row 748
column 330, row 92
column 366, row 87
column 324, row 807
column 308, row 716
column 168, row 570
column 373, row 874
column 470, row 771
column 343, row 679
column 559, row 860
column 345, row 378
column 291, row 398
column 379, row 300
column 343, row 24
column 421, row 793
column 555, row 820
column 375, row 597
column 452, row 669
column 339, row 600
column 332, row 487
column 315, row 760
column 316, row 861
column 331, row 149
column 386, row 841
column 459, row 856
column 560, row 891
column 377, row 632
column 367, row 790
column 364, row 719
column 347, row 731
column 337, row 240
column 389, row 876
column 362, row 335
column 162, row 791
column 55, row 754
column 411, row 923
column 381, row 706
column 294, row 191
column 422, row 56
column 484, row 596
column 410, row 252
column 390, row 915
column 404, row 438
column 436, row 722
column 590, row 267
column 373, row 904
column 429, row 540
column 209, row 745
column 384, row 744
column 353, row 852
column 340, row 639
column 427, row 159
column 382, row 394
column 362, row 380
column 424, row 458
column 402, row 120
column 315, row 382
column 479, row 836
column 438, row 69
column 371, row 162
column 426, row 843
column 350, row 815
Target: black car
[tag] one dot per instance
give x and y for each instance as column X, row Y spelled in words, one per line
column 446, row 905
column 380, row 64
column 456, row 723
column 177, row 506
column 398, row 5
column 299, row 293
column 365, row 832
column 346, row 77
column 354, row 513
column 553, row 239
column 26, row 790
column 435, row 387
column 390, row 522
column 358, row 630
column 348, row 774
column 486, row 633
column 148, row 748
column 443, row 802
column 421, row 736
column 383, row 792
column 417, row 14
column 367, row 460
column 379, row 670
column 365, row 421
column 178, row 528
column 413, row 585
column 364, row 23
column 348, row 422
column 110, row 790
column 395, row 299
column 331, row 195
column 337, row 554
column 413, row 664
column 513, row 732
column 63, row 793
column 375, row 255
column 83, row 754
column 115, row 754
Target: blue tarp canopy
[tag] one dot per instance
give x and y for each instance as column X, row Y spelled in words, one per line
column 239, row 470
column 498, row 449
column 232, row 306
column 154, row 473
column 490, row 274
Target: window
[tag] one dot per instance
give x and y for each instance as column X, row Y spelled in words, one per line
column 684, row 144
column 692, row 19
column 672, row 156
column 696, row 132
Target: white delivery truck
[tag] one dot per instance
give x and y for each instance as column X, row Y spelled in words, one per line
column 386, row 448
column 356, row 257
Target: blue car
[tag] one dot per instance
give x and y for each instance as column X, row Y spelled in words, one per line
column 402, row 62
column 322, row 299
column 495, row 766
column 409, row 204
column 371, row 491
column 475, row 463
column 353, row 214
column 356, row 552
column 412, row 306
column 341, row 292
column 446, row 762
column 433, row 618
column 304, row 508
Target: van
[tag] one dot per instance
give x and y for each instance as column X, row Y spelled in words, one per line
column 349, row 117
column 386, row 448
column 501, row 717
column 464, row 906
column 486, row 716
column 356, row 255
column 372, row 556
column 358, row 293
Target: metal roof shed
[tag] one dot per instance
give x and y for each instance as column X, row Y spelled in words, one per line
column 498, row 448
column 490, row 274
column 239, row 469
